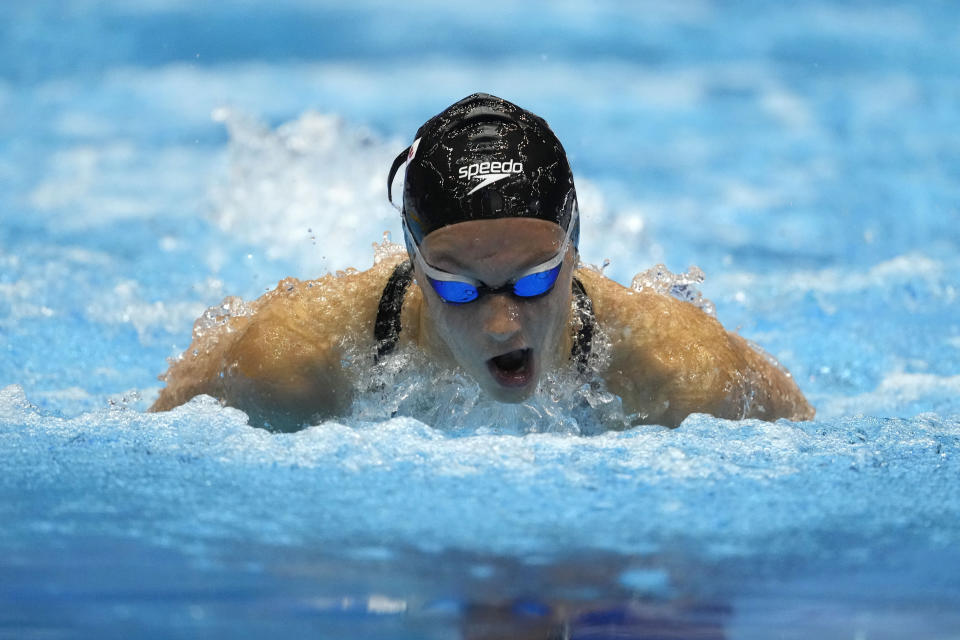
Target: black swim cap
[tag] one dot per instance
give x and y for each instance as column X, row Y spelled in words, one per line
column 481, row 158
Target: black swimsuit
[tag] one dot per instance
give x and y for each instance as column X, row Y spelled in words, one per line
column 386, row 330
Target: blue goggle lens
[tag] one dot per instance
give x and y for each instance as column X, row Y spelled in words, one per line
column 535, row 284
column 453, row 291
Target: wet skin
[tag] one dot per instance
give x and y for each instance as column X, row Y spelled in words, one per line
column 283, row 362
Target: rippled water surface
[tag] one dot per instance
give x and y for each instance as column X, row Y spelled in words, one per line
column 158, row 157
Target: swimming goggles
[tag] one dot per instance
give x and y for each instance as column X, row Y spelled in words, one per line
column 458, row 289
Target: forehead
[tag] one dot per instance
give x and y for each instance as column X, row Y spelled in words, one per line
column 517, row 241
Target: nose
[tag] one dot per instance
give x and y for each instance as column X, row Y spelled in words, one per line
column 501, row 317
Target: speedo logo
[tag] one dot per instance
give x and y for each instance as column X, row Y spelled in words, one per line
column 489, row 172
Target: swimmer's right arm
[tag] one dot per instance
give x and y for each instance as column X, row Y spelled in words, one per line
column 284, row 375
column 282, row 364
column 277, row 365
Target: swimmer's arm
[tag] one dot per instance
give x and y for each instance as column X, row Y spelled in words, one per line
column 284, row 376
column 282, row 363
column 276, row 389
column 270, row 365
column 773, row 393
column 720, row 374
column 669, row 359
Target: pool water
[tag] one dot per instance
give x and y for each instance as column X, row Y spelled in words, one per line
column 158, row 157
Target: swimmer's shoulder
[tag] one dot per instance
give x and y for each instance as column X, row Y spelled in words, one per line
column 668, row 359
column 285, row 347
column 643, row 318
column 332, row 308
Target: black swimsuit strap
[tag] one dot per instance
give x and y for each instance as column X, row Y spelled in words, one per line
column 386, row 329
column 583, row 341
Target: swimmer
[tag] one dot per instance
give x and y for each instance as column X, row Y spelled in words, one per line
column 491, row 286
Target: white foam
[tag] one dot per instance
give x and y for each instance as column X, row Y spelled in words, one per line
column 312, row 190
column 109, row 182
column 124, row 305
column 200, row 471
column 894, row 391
column 14, row 403
column 842, row 280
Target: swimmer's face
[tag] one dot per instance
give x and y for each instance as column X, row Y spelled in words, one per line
column 504, row 341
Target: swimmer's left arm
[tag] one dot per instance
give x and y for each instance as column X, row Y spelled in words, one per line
column 772, row 391
column 669, row 359
column 720, row 374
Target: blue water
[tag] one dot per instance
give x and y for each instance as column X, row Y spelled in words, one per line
column 159, row 156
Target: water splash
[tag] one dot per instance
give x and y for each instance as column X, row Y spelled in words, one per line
column 386, row 249
column 316, row 172
column 408, row 384
column 683, row 286
column 219, row 316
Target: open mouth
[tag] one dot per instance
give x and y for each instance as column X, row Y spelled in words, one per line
column 512, row 369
